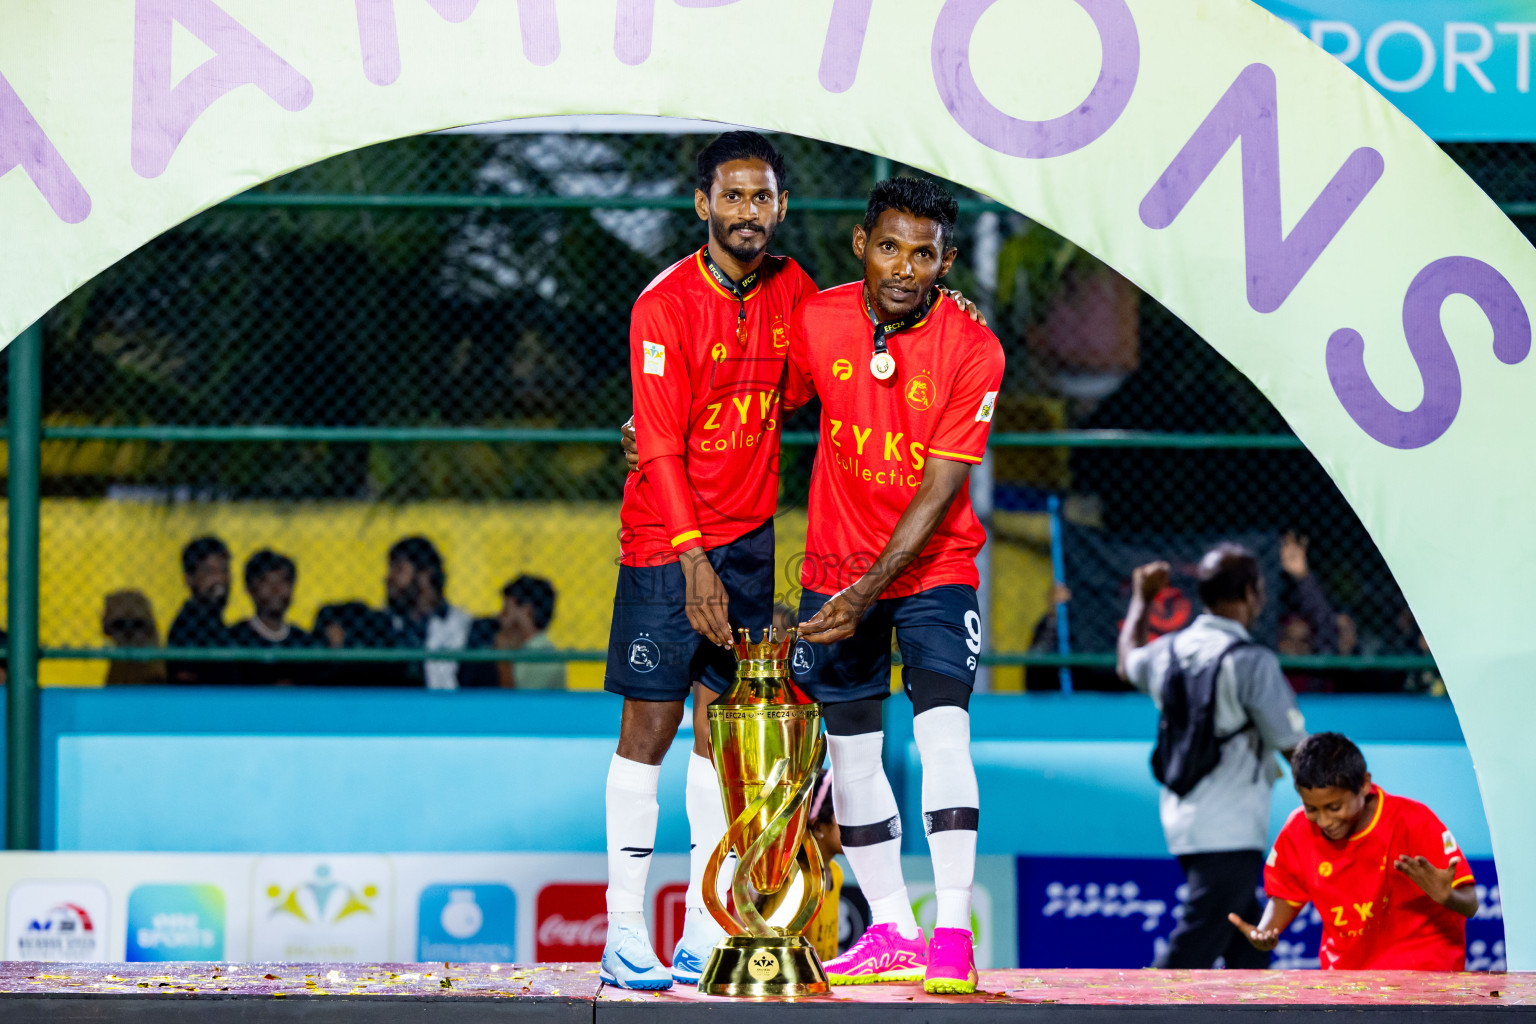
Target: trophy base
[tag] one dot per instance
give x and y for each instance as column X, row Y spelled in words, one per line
column 769, row 967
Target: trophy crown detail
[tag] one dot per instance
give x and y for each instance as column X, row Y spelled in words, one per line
column 772, row 647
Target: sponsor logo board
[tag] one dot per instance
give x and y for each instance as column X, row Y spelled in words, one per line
column 54, row 920
column 321, row 908
column 467, row 923
column 572, row 922
column 175, row 922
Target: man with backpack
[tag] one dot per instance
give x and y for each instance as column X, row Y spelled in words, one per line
column 1225, row 709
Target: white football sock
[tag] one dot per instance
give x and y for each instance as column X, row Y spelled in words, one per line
column 950, row 801
column 866, row 813
column 632, row 811
column 706, row 827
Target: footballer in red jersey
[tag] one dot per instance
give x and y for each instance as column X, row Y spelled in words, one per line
column 1387, row 877
column 907, row 385
column 708, row 340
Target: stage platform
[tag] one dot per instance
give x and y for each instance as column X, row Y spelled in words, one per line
column 394, row 993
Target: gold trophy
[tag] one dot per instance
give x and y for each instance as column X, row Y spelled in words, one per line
column 768, row 746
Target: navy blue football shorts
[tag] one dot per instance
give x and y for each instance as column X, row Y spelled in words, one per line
column 653, row 652
column 938, row 630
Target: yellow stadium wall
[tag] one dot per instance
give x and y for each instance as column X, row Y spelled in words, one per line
column 92, row 547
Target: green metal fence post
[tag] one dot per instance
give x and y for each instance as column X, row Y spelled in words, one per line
column 22, row 768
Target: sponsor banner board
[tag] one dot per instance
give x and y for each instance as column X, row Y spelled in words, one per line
column 1119, row 912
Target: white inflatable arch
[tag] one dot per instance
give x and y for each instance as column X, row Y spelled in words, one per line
column 1255, row 186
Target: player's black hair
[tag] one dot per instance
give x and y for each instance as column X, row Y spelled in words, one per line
column 422, row 554
column 537, row 593
column 203, row 547
column 1227, row 573
column 921, row 197
column 266, row 560
column 1328, row 760
column 739, row 146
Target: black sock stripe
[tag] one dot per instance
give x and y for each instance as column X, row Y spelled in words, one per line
column 871, row 835
column 950, row 819
column 637, row 851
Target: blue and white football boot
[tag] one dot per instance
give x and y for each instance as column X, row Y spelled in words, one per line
column 700, row 936
column 629, row 961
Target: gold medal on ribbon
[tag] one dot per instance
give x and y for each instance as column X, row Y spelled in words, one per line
column 882, row 366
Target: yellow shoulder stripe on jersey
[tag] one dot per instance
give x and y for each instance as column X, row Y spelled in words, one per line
column 684, row 538
column 1461, row 881
column 958, row 456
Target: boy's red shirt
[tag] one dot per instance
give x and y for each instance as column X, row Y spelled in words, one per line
column 706, row 407
column 1374, row 916
column 876, row 436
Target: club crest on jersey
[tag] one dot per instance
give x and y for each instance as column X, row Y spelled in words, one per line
column 718, row 353
column 842, row 369
column 920, row 392
column 805, row 657
column 644, row 655
column 655, row 358
column 988, row 405
column 780, row 332
column 1449, row 841
column 1325, row 869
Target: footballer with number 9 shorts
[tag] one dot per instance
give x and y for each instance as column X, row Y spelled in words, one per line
column 907, row 385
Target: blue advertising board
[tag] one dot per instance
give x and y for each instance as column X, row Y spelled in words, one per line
column 1119, row 912
column 1461, row 69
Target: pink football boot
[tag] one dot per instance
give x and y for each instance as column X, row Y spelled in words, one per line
column 951, row 963
column 881, row 954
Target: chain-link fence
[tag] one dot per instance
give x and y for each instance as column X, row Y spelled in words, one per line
column 431, row 335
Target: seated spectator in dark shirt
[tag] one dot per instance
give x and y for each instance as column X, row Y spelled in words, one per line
column 200, row 623
column 419, row 613
column 128, row 620
column 352, row 624
column 269, row 580
column 527, row 605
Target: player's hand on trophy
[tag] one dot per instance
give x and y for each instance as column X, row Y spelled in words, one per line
column 970, row 308
column 837, row 619
column 1264, row 939
column 707, row 601
column 627, row 442
column 1149, row 580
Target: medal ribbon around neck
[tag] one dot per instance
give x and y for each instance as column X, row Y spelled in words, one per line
column 738, row 291
column 883, row 364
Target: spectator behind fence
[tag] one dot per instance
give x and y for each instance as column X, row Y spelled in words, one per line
column 128, row 620
column 1308, row 624
column 352, row 624
column 1224, row 709
column 527, row 606
column 1390, row 881
column 420, row 616
column 269, row 580
column 200, row 623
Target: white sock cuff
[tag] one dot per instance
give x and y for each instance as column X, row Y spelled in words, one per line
column 633, row 776
column 701, row 770
column 942, row 728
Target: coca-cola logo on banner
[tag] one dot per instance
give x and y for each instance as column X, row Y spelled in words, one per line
column 572, row 922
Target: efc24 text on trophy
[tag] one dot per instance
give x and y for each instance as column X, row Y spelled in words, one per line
column 768, row 746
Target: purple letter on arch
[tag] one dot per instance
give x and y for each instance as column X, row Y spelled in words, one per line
column 24, row 144
column 636, row 22
column 380, row 40
column 1417, row 427
column 163, row 114
column 845, row 44
column 1036, row 140
column 1277, row 262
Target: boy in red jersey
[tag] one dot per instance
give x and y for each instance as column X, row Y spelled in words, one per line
column 908, row 385
column 1392, row 886
column 707, row 345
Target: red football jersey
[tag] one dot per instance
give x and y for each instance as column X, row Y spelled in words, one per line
column 1374, row 916
column 706, row 407
column 876, row 436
